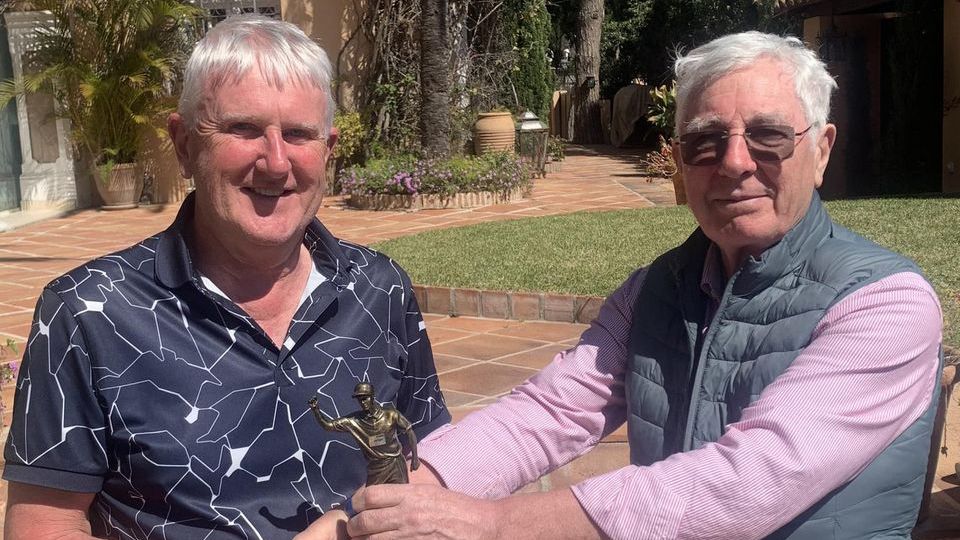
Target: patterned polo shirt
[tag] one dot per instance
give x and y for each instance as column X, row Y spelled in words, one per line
column 172, row 405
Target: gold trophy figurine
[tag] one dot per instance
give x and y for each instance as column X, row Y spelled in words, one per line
column 375, row 430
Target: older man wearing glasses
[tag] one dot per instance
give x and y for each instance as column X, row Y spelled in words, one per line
column 777, row 372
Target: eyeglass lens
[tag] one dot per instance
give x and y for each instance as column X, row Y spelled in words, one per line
column 765, row 143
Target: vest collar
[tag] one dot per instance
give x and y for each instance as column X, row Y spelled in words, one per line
column 788, row 254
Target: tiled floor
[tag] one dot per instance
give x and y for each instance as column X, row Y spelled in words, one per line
column 478, row 359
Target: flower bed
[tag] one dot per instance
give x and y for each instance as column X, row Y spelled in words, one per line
column 405, row 182
column 433, row 201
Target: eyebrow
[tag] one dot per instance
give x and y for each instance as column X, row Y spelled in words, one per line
column 713, row 121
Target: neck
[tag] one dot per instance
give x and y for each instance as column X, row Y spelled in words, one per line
column 253, row 274
column 732, row 259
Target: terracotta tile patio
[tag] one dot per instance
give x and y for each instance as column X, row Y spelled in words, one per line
column 477, row 359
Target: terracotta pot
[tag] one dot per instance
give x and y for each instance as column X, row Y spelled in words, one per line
column 121, row 188
column 494, row 132
column 679, row 191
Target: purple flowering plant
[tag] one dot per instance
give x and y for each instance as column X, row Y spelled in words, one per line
column 409, row 175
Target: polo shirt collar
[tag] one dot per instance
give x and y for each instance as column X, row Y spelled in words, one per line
column 174, row 267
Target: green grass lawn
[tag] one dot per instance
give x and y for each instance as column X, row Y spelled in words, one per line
column 591, row 253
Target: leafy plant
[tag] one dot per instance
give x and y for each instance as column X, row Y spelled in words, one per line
column 111, row 65
column 556, row 148
column 408, row 175
column 350, row 144
column 663, row 108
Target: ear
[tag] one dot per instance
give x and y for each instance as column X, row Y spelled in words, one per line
column 828, row 136
column 179, row 134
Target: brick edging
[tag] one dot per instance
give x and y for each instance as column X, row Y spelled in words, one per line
column 507, row 305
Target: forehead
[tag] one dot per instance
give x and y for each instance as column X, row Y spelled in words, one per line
column 252, row 93
column 762, row 92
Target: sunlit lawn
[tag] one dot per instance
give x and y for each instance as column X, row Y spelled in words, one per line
column 592, row 252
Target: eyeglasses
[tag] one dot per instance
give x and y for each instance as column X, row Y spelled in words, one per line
column 765, row 143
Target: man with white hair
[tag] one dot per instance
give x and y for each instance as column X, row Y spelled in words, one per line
column 777, row 372
column 164, row 388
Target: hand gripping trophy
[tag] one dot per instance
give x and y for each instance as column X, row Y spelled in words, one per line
column 375, row 430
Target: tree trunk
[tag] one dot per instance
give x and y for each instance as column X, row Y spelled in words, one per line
column 585, row 117
column 434, row 78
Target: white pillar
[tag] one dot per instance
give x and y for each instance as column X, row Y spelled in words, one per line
column 47, row 181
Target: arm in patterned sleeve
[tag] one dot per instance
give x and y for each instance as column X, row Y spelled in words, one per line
column 57, row 437
column 419, row 398
column 55, row 454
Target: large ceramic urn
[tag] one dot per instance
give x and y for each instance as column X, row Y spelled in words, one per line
column 494, row 132
column 119, row 186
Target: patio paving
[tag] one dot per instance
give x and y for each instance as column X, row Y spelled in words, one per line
column 477, row 359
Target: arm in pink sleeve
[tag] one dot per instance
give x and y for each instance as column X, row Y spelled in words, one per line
column 868, row 374
column 557, row 415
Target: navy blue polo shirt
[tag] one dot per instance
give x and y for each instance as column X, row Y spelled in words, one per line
column 175, row 408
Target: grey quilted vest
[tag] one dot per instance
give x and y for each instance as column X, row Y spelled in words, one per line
column 766, row 317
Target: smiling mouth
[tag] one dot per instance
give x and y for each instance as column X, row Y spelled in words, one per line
column 740, row 198
column 268, row 192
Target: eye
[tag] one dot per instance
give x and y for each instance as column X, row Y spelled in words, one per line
column 299, row 135
column 705, row 140
column 770, row 135
column 246, row 130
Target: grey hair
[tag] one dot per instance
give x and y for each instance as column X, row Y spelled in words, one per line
column 704, row 65
column 281, row 51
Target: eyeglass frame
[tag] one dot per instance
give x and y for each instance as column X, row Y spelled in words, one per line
column 755, row 153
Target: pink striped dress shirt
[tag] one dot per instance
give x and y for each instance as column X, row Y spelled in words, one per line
column 868, row 373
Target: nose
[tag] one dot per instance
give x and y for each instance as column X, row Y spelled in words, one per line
column 737, row 161
column 274, row 161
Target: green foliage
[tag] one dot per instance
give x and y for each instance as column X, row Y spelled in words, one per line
column 350, row 143
column 406, row 174
column 663, row 108
column 640, row 37
column 593, row 252
column 109, row 64
column 532, row 78
column 556, row 148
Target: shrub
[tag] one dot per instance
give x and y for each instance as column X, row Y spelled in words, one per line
column 406, row 174
column 556, row 148
column 349, row 148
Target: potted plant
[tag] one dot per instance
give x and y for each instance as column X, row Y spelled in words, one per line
column 111, row 66
column 663, row 107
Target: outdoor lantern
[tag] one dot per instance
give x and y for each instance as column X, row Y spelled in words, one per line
column 532, row 142
column 591, row 81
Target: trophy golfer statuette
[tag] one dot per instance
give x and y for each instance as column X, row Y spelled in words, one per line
column 375, row 430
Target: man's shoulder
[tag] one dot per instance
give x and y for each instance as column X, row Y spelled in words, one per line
column 124, row 268
column 374, row 265
column 845, row 252
column 846, row 261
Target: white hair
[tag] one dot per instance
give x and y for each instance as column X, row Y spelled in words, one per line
column 281, row 51
column 706, row 64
